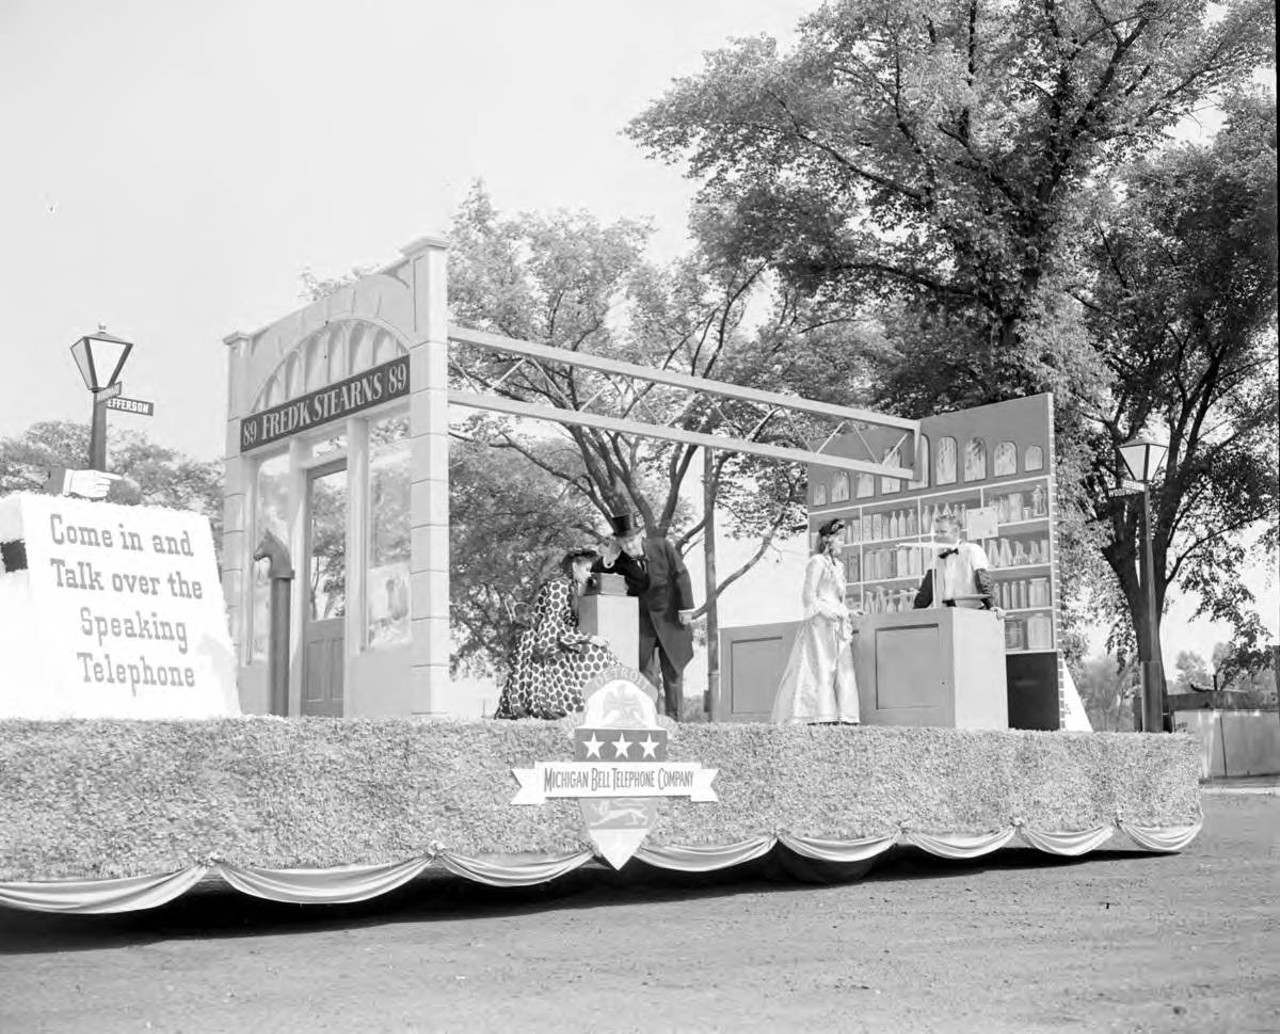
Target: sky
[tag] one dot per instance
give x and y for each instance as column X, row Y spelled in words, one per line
column 169, row 169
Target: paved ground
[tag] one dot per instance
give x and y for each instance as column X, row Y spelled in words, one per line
column 1120, row 941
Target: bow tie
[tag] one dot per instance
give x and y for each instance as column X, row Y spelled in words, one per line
column 946, row 553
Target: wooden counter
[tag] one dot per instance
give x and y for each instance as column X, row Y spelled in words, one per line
column 941, row 667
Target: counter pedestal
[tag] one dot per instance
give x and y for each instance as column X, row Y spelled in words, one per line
column 617, row 620
column 940, row 667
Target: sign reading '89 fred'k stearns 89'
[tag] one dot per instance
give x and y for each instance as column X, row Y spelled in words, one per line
column 332, row 402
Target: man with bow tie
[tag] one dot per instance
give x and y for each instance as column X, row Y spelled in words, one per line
column 655, row 574
column 962, row 568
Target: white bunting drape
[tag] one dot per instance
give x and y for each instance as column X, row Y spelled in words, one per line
column 1068, row 843
column 94, row 897
column 838, row 850
column 513, row 870
column 338, row 886
column 351, row 883
column 958, row 846
column 705, row 858
column 1160, row 838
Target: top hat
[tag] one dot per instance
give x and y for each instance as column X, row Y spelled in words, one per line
column 625, row 525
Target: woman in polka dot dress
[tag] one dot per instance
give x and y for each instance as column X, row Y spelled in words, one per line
column 554, row 659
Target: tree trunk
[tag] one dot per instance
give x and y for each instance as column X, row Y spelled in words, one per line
column 1124, row 554
column 709, row 561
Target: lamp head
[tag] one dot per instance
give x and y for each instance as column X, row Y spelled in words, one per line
column 1143, row 457
column 100, row 357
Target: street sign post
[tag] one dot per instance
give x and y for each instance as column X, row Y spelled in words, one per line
column 1126, row 487
column 138, row 407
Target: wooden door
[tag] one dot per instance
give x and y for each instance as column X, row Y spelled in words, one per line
column 752, row 660
column 323, row 653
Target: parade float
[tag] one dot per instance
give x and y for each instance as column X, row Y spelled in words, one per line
column 137, row 760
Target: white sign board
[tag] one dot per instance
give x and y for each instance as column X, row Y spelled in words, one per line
column 118, row 614
column 982, row 523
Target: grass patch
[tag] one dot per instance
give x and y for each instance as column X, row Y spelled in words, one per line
column 116, row 798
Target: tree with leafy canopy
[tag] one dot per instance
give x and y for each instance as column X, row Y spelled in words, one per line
column 565, row 280
column 153, row 474
column 935, row 163
column 1240, row 673
column 1192, row 669
column 928, row 156
column 509, row 524
column 1180, row 298
column 1106, row 687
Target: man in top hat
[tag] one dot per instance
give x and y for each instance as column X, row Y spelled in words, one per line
column 655, row 574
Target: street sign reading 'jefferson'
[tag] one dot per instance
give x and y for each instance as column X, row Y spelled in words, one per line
column 332, row 402
column 140, row 407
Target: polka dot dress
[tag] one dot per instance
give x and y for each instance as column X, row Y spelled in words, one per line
column 553, row 660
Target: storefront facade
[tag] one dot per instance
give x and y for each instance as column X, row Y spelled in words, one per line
column 337, row 444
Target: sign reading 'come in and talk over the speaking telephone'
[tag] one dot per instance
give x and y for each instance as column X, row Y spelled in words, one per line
column 110, row 611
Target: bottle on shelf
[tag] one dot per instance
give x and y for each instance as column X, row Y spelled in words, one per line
column 1039, row 593
column 1039, row 632
column 913, row 523
column 1014, row 634
column 1038, row 501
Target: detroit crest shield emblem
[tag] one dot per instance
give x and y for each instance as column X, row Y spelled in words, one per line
column 620, row 767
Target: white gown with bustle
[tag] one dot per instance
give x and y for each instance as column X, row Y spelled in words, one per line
column 818, row 684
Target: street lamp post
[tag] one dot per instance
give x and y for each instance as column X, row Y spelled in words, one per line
column 101, row 357
column 1144, row 458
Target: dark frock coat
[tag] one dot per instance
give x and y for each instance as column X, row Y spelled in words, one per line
column 663, row 588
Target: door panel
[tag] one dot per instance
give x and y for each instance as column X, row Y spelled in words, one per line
column 324, row 658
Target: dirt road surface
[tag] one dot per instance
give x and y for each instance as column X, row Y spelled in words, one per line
column 1120, row 941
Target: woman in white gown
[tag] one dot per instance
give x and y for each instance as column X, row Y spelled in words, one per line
column 818, row 684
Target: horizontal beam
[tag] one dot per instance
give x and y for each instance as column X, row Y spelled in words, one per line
column 514, row 346
column 673, row 434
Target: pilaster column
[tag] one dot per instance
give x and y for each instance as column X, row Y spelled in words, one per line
column 237, row 506
column 427, row 274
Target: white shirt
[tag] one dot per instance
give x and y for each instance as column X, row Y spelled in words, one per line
column 958, row 573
